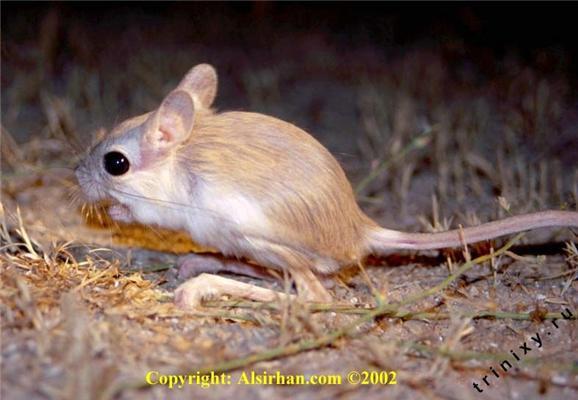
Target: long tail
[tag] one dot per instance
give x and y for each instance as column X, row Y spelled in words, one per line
column 382, row 240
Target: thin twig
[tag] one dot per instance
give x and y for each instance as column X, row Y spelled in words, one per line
column 418, row 142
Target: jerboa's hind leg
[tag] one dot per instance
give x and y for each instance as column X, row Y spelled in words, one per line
column 191, row 293
column 195, row 264
column 309, row 287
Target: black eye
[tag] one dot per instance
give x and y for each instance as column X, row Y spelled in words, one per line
column 116, row 163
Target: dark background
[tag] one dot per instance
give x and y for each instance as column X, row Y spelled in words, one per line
column 538, row 33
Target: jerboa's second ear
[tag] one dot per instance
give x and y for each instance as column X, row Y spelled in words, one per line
column 201, row 83
column 172, row 123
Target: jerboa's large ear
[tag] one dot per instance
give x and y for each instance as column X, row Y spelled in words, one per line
column 173, row 121
column 201, row 83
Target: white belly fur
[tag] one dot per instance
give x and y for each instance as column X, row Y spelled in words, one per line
column 225, row 220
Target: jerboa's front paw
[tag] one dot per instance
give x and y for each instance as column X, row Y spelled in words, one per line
column 120, row 213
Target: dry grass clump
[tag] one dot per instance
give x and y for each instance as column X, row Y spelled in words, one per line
column 52, row 316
